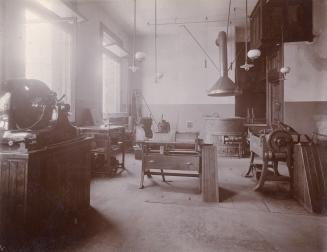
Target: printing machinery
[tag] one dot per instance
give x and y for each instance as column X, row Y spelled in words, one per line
column 272, row 145
column 44, row 162
column 31, row 116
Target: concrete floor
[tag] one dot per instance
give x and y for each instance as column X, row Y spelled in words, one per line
column 172, row 217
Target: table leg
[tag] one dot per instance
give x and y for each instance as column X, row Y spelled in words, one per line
column 163, row 175
column 250, row 170
column 123, row 155
column 142, row 179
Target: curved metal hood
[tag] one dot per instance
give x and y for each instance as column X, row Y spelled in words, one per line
column 224, row 86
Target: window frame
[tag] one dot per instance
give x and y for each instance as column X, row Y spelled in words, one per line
column 105, row 30
column 69, row 25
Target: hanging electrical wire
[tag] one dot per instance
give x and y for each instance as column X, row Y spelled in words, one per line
column 200, row 46
column 133, row 67
column 134, row 33
column 158, row 75
column 246, row 66
column 137, row 56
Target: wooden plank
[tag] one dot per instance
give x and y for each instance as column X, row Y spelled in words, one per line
column 309, row 179
column 210, row 185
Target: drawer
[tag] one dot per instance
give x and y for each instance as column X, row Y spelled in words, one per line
column 119, row 132
column 172, row 162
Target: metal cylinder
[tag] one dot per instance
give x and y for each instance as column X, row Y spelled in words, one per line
column 222, row 43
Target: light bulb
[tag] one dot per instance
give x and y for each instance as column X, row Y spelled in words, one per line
column 159, row 76
column 140, row 56
column 285, row 70
column 247, row 66
column 254, row 54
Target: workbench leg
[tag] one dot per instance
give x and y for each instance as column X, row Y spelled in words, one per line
column 263, row 176
column 123, row 156
column 250, row 170
column 163, row 175
column 275, row 167
column 200, row 176
column 148, row 174
column 142, row 178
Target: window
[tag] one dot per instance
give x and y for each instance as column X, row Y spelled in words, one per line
column 113, row 53
column 48, row 54
column 111, row 85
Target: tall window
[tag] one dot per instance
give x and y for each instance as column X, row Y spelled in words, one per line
column 112, row 56
column 111, row 85
column 48, row 54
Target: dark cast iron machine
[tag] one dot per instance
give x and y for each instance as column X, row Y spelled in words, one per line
column 272, row 145
column 31, row 116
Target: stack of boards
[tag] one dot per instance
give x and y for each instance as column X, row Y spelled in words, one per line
column 310, row 176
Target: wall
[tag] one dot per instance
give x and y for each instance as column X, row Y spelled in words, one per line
column 181, row 95
column 89, row 68
column 306, row 85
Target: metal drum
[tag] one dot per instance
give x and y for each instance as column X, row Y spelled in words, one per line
column 227, row 134
column 221, row 126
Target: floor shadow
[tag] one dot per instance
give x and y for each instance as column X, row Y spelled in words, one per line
column 225, row 194
column 71, row 233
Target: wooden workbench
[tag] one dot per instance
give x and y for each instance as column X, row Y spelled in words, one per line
column 109, row 140
column 170, row 158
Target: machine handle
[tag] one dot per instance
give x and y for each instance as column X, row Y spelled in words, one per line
column 151, row 161
column 188, row 163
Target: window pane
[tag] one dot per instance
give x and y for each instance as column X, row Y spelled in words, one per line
column 111, row 85
column 48, row 54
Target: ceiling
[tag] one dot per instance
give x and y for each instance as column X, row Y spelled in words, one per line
column 170, row 11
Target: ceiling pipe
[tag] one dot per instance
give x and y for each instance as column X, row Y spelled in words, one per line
column 224, row 86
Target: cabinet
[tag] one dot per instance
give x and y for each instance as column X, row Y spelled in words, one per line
column 253, row 85
column 275, row 20
column 275, row 86
column 39, row 189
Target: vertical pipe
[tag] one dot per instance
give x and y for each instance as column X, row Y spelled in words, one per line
column 222, row 43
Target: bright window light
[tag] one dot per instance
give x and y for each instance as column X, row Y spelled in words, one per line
column 117, row 50
column 107, row 40
column 61, row 9
column 32, row 17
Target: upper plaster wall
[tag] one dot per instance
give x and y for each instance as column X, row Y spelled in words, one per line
column 308, row 61
column 89, row 62
column 187, row 73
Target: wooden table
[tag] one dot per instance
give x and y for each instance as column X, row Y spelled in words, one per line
column 169, row 158
column 109, row 140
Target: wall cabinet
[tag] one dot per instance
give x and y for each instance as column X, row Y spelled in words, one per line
column 275, row 20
